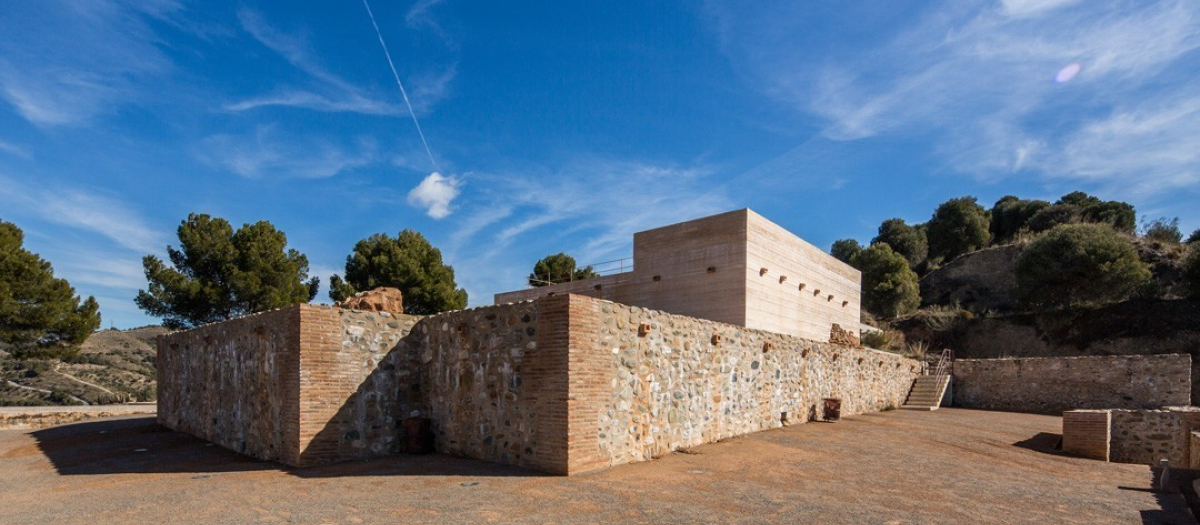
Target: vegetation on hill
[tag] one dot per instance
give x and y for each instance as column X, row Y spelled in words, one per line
column 407, row 262
column 218, row 273
column 558, row 268
column 1079, row 265
column 889, row 286
column 112, row 366
column 40, row 315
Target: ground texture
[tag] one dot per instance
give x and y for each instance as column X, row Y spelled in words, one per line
column 949, row 466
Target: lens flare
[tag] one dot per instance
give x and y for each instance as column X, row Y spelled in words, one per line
column 1067, row 73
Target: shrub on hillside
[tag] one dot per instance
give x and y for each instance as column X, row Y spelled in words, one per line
column 1163, row 230
column 1191, row 270
column 1010, row 215
column 1079, row 264
column 958, row 226
column 889, row 285
column 906, row 240
column 846, row 250
column 1195, row 236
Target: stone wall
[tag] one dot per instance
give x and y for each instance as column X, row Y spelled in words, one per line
column 235, row 384
column 1134, row 436
column 564, row 384
column 653, row 382
column 1055, row 385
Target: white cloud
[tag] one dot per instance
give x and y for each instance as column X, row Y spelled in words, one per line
column 978, row 81
column 435, row 193
column 64, row 62
column 268, row 153
column 90, row 211
column 13, row 149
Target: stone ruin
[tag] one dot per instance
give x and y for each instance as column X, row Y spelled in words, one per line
column 839, row 336
column 381, row 299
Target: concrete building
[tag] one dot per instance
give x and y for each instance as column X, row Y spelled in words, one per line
column 737, row 268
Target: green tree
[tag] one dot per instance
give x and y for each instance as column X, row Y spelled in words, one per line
column 958, row 226
column 889, row 285
column 846, row 250
column 1191, row 270
column 1120, row 215
column 906, row 240
column 1010, row 215
column 218, row 274
column 1163, row 230
column 1079, row 265
column 1050, row 217
column 40, row 315
column 407, row 262
column 1080, row 199
column 558, row 268
column 1195, row 236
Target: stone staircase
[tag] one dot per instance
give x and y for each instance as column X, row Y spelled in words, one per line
column 927, row 392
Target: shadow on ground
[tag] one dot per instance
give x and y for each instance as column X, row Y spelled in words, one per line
column 1047, row 442
column 139, row 445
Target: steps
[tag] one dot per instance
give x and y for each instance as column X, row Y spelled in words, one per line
column 927, row 392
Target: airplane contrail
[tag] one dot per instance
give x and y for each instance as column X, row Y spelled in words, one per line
column 403, row 93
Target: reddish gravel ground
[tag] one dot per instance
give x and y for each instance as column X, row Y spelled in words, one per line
column 948, row 466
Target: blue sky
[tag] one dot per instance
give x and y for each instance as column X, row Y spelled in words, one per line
column 567, row 126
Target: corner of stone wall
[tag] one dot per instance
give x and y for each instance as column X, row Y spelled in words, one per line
column 589, row 372
column 320, row 388
column 1087, row 433
column 548, row 370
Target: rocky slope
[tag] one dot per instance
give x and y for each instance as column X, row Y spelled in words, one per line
column 113, row 366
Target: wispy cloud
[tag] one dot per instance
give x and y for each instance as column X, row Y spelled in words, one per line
column 64, row 62
column 979, row 80
column 269, row 153
column 92, row 211
column 435, row 193
column 13, row 149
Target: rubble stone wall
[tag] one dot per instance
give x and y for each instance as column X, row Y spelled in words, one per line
column 1053, row 385
column 654, row 382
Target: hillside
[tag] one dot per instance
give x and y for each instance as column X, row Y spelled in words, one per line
column 113, row 366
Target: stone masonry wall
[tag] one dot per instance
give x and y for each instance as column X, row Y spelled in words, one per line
column 235, row 384
column 1133, row 436
column 1057, row 384
column 644, row 382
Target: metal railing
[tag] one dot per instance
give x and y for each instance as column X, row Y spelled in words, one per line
column 944, row 365
column 601, row 269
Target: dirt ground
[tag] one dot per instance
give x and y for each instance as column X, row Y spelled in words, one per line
column 894, row 468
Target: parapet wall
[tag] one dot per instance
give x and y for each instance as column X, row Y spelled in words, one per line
column 1054, row 385
column 650, row 382
column 563, row 384
column 1133, row 436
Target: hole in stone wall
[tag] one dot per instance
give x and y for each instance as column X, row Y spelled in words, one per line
column 716, row 339
column 597, row 287
column 657, row 278
column 783, row 420
column 643, row 329
column 712, row 269
column 860, row 360
column 835, row 357
column 804, row 353
column 260, row 329
column 766, row 347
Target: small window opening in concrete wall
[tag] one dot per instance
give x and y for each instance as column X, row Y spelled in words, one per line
column 643, row 329
column 657, row 278
column 716, row 339
column 816, row 293
column 844, row 303
column 762, row 272
column 830, row 298
column 712, row 269
column 782, row 279
column 802, row 285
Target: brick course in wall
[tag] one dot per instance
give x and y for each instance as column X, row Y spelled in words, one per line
column 564, row 384
column 1054, row 385
column 1085, row 433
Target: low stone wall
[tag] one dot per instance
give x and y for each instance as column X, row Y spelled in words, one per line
column 1054, row 385
column 655, row 382
column 1134, row 436
column 563, row 384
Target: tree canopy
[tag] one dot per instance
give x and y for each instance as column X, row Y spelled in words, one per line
column 407, row 262
column 1163, row 230
column 1010, row 215
column 958, row 226
column 846, row 250
column 558, row 268
column 889, row 285
column 1195, row 236
column 905, row 240
column 40, row 315
column 217, row 273
column 1079, row 265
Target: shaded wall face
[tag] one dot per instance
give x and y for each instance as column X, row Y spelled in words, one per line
column 642, row 396
column 235, row 384
column 1054, row 385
